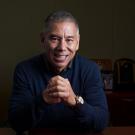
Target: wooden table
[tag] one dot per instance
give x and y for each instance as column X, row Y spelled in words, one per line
column 7, row 131
column 119, row 131
column 107, row 131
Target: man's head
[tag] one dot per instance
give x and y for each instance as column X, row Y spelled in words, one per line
column 60, row 39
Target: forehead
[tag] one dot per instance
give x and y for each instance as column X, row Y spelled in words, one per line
column 63, row 28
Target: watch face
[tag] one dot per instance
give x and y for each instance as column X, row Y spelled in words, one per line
column 79, row 100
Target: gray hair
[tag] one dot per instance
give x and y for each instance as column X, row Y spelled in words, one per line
column 60, row 16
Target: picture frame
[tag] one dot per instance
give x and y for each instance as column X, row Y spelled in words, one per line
column 105, row 66
column 107, row 78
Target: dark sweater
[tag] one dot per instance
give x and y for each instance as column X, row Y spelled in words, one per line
column 28, row 110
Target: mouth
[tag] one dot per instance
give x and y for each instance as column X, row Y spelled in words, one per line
column 60, row 58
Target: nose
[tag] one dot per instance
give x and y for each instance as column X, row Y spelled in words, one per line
column 62, row 45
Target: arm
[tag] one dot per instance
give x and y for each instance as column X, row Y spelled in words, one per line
column 25, row 108
column 93, row 114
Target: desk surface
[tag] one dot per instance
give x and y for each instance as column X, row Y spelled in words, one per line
column 107, row 131
column 119, row 131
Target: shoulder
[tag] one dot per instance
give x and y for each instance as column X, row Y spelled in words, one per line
column 86, row 63
column 30, row 63
column 87, row 68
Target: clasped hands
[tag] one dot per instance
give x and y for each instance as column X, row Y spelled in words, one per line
column 59, row 90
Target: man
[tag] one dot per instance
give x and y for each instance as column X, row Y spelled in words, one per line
column 59, row 88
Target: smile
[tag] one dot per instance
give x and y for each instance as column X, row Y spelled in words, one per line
column 60, row 58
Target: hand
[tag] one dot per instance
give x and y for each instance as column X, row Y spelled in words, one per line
column 59, row 90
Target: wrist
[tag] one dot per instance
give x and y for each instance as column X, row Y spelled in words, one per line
column 78, row 100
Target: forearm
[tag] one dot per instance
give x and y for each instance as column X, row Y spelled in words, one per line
column 94, row 113
column 25, row 114
column 93, row 118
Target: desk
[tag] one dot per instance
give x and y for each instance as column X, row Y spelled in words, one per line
column 107, row 131
column 121, row 107
column 119, row 131
column 7, row 131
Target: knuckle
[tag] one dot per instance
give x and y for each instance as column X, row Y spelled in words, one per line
column 57, row 82
column 57, row 87
column 58, row 93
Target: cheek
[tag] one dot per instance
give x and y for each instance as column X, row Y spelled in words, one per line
column 49, row 47
column 73, row 48
column 52, row 46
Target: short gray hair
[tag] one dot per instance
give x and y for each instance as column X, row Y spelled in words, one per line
column 60, row 16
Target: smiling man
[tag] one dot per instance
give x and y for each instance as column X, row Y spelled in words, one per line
column 61, row 41
column 58, row 88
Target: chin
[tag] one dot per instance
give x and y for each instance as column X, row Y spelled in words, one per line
column 60, row 66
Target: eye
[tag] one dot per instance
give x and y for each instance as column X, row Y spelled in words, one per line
column 54, row 39
column 69, row 40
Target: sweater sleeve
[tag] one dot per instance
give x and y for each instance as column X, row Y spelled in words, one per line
column 93, row 114
column 25, row 109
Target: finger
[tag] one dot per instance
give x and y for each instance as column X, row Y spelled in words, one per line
column 54, row 99
column 60, row 78
column 50, row 99
column 57, row 83
column 55, row 78
column 59, row 94
column 67, row 81
column 57, row 88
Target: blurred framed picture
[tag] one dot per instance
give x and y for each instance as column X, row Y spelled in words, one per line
column 107, row 80
column 105, row 66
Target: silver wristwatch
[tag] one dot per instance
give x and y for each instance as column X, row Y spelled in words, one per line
column 79, row 100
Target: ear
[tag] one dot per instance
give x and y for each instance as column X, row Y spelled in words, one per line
column 78, row 41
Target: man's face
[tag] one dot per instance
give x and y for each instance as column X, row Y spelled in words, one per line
column 61, row 44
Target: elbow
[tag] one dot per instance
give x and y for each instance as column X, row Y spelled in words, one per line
column 101, row 122
column 17, row 123
column 98, row 123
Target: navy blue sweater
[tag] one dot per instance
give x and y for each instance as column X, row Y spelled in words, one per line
column 28, row 110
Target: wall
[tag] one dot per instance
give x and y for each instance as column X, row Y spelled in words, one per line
column 123, row 29
column 106, row 26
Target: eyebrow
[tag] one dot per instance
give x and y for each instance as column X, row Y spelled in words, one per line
column 70, row 37
column 55, row 35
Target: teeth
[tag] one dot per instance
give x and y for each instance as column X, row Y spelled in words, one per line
column 60, row 57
